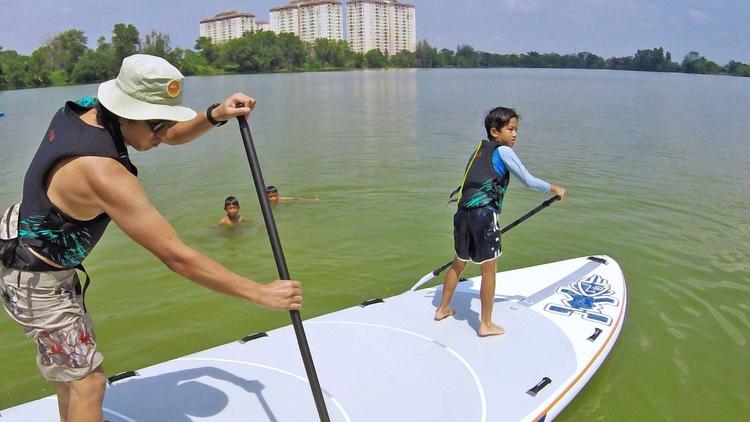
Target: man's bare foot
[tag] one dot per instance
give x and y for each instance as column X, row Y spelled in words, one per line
column 490, row 330
column 443, row 313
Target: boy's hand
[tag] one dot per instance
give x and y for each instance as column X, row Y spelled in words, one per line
column 558, row 190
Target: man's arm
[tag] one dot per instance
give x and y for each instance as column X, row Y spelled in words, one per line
column 184, row 132
column 121, row 196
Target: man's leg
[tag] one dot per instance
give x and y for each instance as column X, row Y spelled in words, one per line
column 487, row 297
column 449, row 288
column 85, row 398
column 63, row 397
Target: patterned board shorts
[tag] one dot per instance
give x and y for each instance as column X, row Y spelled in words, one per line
column 476, row 235
column 47, row 305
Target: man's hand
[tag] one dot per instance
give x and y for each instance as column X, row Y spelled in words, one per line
column 281, row 294
column 238, row 104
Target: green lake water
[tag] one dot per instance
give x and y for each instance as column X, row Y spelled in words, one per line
column 656, row 167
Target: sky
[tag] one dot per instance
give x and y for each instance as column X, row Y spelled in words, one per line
column 717, row 29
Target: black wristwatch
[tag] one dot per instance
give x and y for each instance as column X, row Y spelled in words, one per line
column 211, row 119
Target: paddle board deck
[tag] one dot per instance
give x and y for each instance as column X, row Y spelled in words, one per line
column 389, row 360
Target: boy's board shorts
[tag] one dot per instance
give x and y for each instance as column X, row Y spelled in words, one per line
column 476, row 234
column 47, row 305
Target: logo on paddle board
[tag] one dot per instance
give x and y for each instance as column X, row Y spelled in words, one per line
column 587, row 298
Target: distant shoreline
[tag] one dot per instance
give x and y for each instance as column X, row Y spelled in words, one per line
column 66, row 60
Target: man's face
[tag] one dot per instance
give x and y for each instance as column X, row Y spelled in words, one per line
column 273, row 196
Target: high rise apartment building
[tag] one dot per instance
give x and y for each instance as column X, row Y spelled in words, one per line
column 309, row 19
column 386, row 25
column 227, row 25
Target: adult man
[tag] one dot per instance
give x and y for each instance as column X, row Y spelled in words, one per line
column 79, row 179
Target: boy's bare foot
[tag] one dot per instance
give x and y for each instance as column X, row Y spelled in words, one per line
column 490, row 330
column 443, row 313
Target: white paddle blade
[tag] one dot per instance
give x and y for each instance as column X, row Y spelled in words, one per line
column 423, row 280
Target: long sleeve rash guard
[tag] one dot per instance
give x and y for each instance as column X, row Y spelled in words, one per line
column 504, row 157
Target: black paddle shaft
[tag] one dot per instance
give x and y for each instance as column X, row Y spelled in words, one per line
column 278, row 255
column 523, row 218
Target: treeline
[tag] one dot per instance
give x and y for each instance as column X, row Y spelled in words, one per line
column 66, row 59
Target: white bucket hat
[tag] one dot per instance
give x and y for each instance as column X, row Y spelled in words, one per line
column 147, row 88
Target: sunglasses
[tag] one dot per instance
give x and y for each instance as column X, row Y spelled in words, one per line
column 157, row 125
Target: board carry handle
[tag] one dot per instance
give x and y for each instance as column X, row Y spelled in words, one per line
column 434, row 273
column 594, row 336
column 278, row 254
column 252, row 337
column 538, row 387
column 121, row 376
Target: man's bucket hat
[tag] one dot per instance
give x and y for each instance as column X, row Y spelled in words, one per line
column 147, row 88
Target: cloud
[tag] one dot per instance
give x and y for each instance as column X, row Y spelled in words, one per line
column 526, row 6
column 700, row 16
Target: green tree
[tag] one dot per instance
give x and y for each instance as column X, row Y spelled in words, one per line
column 652, row 60
column 334, row 53
column 195, row 64
column 532, row 59
column 14, row 69
column 427, row 56
column 66, row 48
column 404, row 58
column 620, row 63
column 253, row 52
column 207, row 48
column 448, row 57
column 40, row 67
column 358, row 60
column 591, row 61
column 125, row 41
column 737, row 68
column 156, row 44
column 375, row 59
column 695, row 63
column 2, row 79
column 466, row 56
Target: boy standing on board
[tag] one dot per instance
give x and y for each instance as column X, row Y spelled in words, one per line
column 476, row 234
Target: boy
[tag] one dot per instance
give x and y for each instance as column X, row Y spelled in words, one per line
column 476, row 234
column 232, row 208
column 272, row 193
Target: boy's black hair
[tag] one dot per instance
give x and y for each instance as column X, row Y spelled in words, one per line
column 271, row 188
column 498, row 117
column 231, row 200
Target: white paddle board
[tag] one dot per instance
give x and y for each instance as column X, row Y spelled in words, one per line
column 388, row 360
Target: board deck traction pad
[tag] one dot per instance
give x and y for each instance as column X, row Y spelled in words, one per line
column 386, row 359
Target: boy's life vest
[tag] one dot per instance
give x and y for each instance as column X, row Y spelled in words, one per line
column 41, row 225
column 482, row 186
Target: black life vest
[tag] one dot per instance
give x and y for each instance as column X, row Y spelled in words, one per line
column 41, row 225
column 482, row 186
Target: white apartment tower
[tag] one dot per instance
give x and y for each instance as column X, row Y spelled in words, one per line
column 227, row 25
column 309, row 19
column 386, row 25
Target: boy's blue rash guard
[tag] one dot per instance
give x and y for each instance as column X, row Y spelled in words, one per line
column 504, row 157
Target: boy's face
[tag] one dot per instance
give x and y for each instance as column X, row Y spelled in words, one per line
column 507, row 134
column 232, row 209
column 272, row 196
